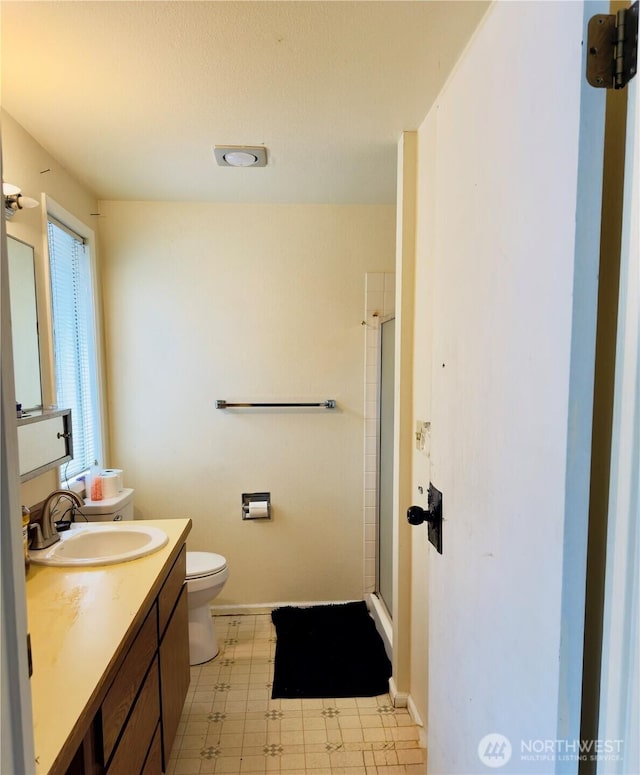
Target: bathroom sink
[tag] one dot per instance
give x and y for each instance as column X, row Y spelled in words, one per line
column 101, row 545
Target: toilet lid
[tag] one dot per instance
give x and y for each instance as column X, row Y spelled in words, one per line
column 204, row 564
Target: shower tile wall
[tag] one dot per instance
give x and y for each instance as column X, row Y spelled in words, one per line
column 380, row 302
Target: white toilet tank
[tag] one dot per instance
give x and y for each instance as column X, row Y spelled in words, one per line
column 115, row 509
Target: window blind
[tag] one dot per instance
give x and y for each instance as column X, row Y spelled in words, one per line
column 74, row 340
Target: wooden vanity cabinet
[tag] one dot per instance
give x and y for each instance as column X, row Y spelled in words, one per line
column 134, row 728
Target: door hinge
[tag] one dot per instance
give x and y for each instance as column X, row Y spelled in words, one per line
column 612, row 48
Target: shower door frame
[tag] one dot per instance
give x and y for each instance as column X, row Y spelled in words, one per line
column 389, row 572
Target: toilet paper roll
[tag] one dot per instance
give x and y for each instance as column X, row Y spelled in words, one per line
column 118, row 473
column 258, row 510
column 110, row 484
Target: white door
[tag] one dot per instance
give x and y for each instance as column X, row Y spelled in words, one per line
column 514, row 222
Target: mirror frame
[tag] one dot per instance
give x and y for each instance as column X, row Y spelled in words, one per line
column 24, row 325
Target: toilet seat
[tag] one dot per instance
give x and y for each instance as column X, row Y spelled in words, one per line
column 203, row 564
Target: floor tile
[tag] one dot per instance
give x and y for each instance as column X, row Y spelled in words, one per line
column 231, row 725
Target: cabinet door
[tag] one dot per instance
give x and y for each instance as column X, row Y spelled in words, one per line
column 44, row 442
column 124, row 689
column 131, row 752
column 153, row 764
column 174, row 672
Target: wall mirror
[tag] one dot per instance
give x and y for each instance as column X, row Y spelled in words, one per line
column 24, row 324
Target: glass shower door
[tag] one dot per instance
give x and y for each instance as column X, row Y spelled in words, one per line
column 385, row 458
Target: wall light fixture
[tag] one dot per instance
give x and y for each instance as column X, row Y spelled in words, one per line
column 14, row 201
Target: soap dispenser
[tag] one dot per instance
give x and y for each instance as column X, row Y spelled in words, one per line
column 95, row 483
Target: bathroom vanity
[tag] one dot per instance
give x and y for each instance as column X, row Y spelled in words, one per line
column 110, row 650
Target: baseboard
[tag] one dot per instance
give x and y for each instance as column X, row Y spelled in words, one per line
column 417, row 720
column 399, row 699
column 383, row 623
column 266, row 608
column 404, row 700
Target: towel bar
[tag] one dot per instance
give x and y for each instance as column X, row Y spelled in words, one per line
column 328, row 404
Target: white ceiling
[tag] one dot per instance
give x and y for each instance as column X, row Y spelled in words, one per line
column 131, row 97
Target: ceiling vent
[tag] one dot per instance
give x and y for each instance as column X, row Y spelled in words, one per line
column 240, row 155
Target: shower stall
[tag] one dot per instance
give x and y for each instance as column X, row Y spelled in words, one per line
column 379, row 323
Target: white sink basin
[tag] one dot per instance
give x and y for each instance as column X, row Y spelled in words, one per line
column 101, row 545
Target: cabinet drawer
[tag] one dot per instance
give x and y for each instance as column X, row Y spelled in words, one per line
column 132, row 749
column 123, row 691
column 171, row 590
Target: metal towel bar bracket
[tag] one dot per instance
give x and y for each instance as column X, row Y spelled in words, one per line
column 328, row 404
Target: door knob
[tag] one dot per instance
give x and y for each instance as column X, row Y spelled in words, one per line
column 416, row 515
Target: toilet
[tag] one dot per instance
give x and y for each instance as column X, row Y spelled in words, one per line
column 116, row 509
column 206, row 575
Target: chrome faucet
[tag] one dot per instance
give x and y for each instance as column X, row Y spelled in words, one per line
column 45, row 532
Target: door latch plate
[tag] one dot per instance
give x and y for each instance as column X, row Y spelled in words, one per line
column 434, row 529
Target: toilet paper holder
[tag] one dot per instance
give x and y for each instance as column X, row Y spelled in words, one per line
column 256, row 505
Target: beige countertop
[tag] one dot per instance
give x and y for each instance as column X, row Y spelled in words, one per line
column 78, row 619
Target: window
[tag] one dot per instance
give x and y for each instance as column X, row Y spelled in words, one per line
column 74, row 342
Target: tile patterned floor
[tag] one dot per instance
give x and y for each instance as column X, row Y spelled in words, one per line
column 230, row 724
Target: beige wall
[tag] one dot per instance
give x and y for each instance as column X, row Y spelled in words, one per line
column 264, row 302
column 237, row 302
column 421, row 549
column 403, row 413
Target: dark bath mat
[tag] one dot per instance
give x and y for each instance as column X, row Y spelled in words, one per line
column 328, row 651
